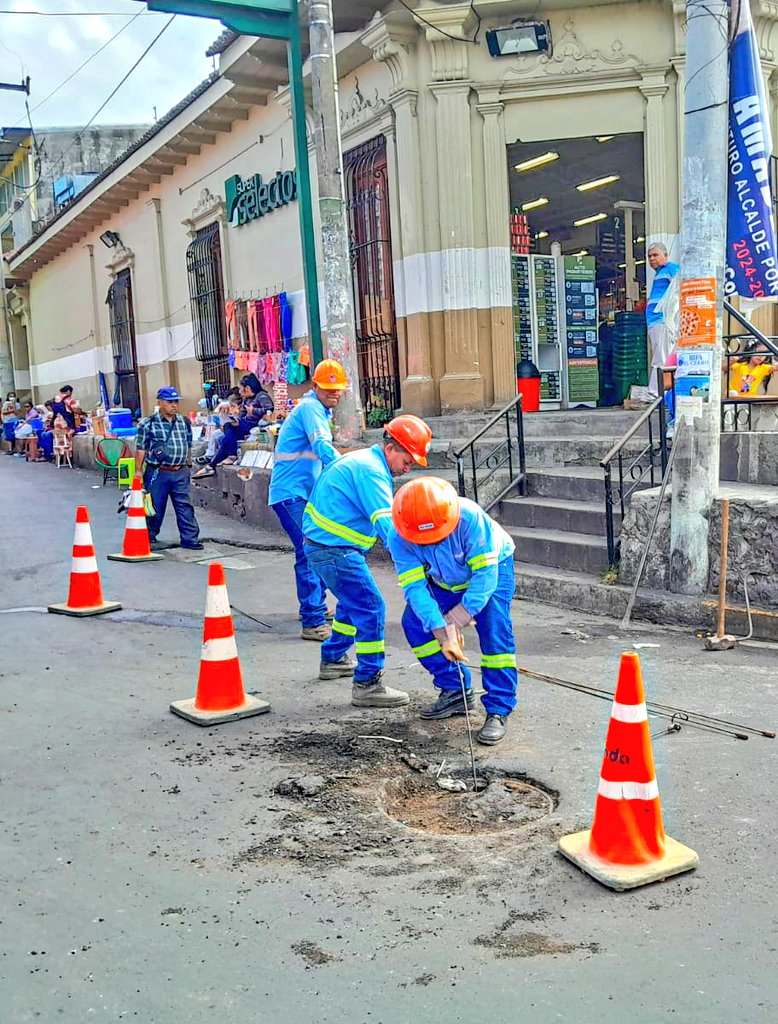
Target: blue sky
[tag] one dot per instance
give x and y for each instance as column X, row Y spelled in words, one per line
column 50, row 48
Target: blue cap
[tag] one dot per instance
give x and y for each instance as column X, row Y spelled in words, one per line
column 169, row 395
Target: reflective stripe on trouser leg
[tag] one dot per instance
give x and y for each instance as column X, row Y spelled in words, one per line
column 361, row 609
column 427, row 649
column 498, row 645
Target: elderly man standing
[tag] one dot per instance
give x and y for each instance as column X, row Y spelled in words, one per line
column 662, row 342
column 163, row 458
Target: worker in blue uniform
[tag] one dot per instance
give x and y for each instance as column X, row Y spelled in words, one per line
column 350, row 507
column 304, row 446
column 455, row 565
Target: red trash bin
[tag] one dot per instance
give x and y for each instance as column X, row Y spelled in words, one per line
column 528, row 383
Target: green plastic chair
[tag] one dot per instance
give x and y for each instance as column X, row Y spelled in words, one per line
column 107, row 454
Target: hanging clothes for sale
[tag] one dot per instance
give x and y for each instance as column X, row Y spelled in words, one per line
column 295, row 373
column 305, row 355
column 252, row 316
column 253, row 362
column 243, row 325
column 231, row 319
column 285, row 317
column 231, row 358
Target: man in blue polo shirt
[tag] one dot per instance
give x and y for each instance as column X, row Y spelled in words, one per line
column 662, row 342
column 163, row 458
column 304, row 447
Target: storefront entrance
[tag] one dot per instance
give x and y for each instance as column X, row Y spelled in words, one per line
column 367, row 201
column 578, row 265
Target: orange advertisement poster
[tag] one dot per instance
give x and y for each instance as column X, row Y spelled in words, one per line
column 698, row 312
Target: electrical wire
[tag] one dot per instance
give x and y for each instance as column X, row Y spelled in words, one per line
column 82, row 14
column 448, row 35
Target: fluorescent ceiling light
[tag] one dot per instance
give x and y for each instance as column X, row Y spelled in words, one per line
column 605, row 138
column 590, row 220
column 537, row 161
column 639, row 239
column 581, row 252
column 587, row 186
column 639, row 263
column 533, row 204
column 542, row 234
column 622, row 266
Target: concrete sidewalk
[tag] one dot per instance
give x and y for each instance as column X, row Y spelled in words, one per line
column 160, row 872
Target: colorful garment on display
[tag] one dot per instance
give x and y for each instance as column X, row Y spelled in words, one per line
column 253, row 362
column 251, row 313
column 295, row 373
column 305, row 355
column 231, row 358
column 285, row 316
column 243, row 324
column 231, row 318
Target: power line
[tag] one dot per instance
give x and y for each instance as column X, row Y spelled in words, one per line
column 82, row 14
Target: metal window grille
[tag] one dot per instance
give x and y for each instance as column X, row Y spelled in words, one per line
column 367, row 202
column 125, row 360
column 206, row 295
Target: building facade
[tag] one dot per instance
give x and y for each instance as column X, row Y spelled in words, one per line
column 456, row 162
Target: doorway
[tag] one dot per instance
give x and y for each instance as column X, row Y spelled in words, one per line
column 125, row 358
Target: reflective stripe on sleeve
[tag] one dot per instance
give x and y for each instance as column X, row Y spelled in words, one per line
column 425, row 650
column 481, row 561
column 370, row 646
column 455, row 589
column 291, row 456
column 629, row 712
column 344, row 532
column 628, row 790
column 411, row 576
column 343, row 627
column 380, row 513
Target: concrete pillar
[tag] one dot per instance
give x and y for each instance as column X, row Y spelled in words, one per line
column 498, row 241
column 653, row 87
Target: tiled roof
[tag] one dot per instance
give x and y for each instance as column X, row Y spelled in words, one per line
column 220, row 45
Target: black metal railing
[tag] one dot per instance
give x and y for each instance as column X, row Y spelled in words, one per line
column 506, row 453
column 757, row 410
column 624, row 471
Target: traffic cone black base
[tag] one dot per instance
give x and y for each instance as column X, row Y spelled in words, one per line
column 80, row 613
column 135, row 558
column 677, row 859
column 186, row 709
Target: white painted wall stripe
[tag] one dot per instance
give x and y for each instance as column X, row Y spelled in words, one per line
column 629, row 712
column 84, row 565
column 217, row 603
column 628, row 790
column 221, row 649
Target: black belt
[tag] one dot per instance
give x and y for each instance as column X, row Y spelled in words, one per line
column 167, row 469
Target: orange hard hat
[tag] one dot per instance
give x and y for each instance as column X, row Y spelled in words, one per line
column 330, row 375
column 413, row 434
column 425, row 510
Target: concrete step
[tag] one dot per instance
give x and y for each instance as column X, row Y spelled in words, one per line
column 580, row 552
column 554, row 514
column 573, row 483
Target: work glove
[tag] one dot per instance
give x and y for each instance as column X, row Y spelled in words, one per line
column 459, row 616
column 451, row 642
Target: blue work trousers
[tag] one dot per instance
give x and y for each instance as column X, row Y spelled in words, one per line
column 163, row 484
column 310, row 592
column 495, row 633
column 361, row 612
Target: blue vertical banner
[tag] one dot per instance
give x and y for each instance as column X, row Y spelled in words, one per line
column 752, row 258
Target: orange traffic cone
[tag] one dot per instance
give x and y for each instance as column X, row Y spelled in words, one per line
column 626, row 845
column 220, row 696
column 136, row 546
column 86, row 593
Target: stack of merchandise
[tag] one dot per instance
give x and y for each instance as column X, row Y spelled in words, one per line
column 623, row 357
column 519, row 232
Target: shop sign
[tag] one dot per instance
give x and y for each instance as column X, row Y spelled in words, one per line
column 248, row 199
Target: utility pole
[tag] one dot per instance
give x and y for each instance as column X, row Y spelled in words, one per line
column 336, row 255
column 703, row 259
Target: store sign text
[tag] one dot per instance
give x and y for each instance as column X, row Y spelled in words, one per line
column 251, row 198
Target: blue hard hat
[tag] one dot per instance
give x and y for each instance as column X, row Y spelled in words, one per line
column 169, row 395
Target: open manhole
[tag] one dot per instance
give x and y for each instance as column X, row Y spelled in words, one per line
column 505, row 801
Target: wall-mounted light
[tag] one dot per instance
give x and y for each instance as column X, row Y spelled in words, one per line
column 111, row 239
column 527, row 37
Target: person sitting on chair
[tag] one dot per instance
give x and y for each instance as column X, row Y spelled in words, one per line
column 257, row 405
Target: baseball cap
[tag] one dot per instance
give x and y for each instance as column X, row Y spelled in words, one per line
column 169, row 394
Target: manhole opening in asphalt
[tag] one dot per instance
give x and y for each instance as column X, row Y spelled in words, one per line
column 505, row 801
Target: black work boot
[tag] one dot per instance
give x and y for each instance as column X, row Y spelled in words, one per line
column 493, row 730
column 449, row 703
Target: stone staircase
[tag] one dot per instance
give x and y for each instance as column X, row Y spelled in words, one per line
column 559, row 525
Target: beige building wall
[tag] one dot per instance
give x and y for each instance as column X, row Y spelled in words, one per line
column 448, row 112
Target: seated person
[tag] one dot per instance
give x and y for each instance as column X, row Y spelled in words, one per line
column 254, row 411
column 749, row 375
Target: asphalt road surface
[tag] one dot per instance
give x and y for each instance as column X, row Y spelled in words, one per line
column 303, row 867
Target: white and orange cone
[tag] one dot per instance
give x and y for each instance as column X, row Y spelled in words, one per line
column 136, row 546
column 626, row 845
column 86, row 593
column 220, row 694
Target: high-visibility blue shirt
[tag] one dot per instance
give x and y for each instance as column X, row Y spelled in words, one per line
column 663, row 278
column 351, row 504
column 466, row 560
column 303, row 446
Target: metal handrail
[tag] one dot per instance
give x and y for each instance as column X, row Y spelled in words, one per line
column 750, row 329
column 645, row 415
column 502, row 452
column 495, row 419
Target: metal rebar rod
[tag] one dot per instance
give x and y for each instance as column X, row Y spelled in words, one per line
column 469, row 730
